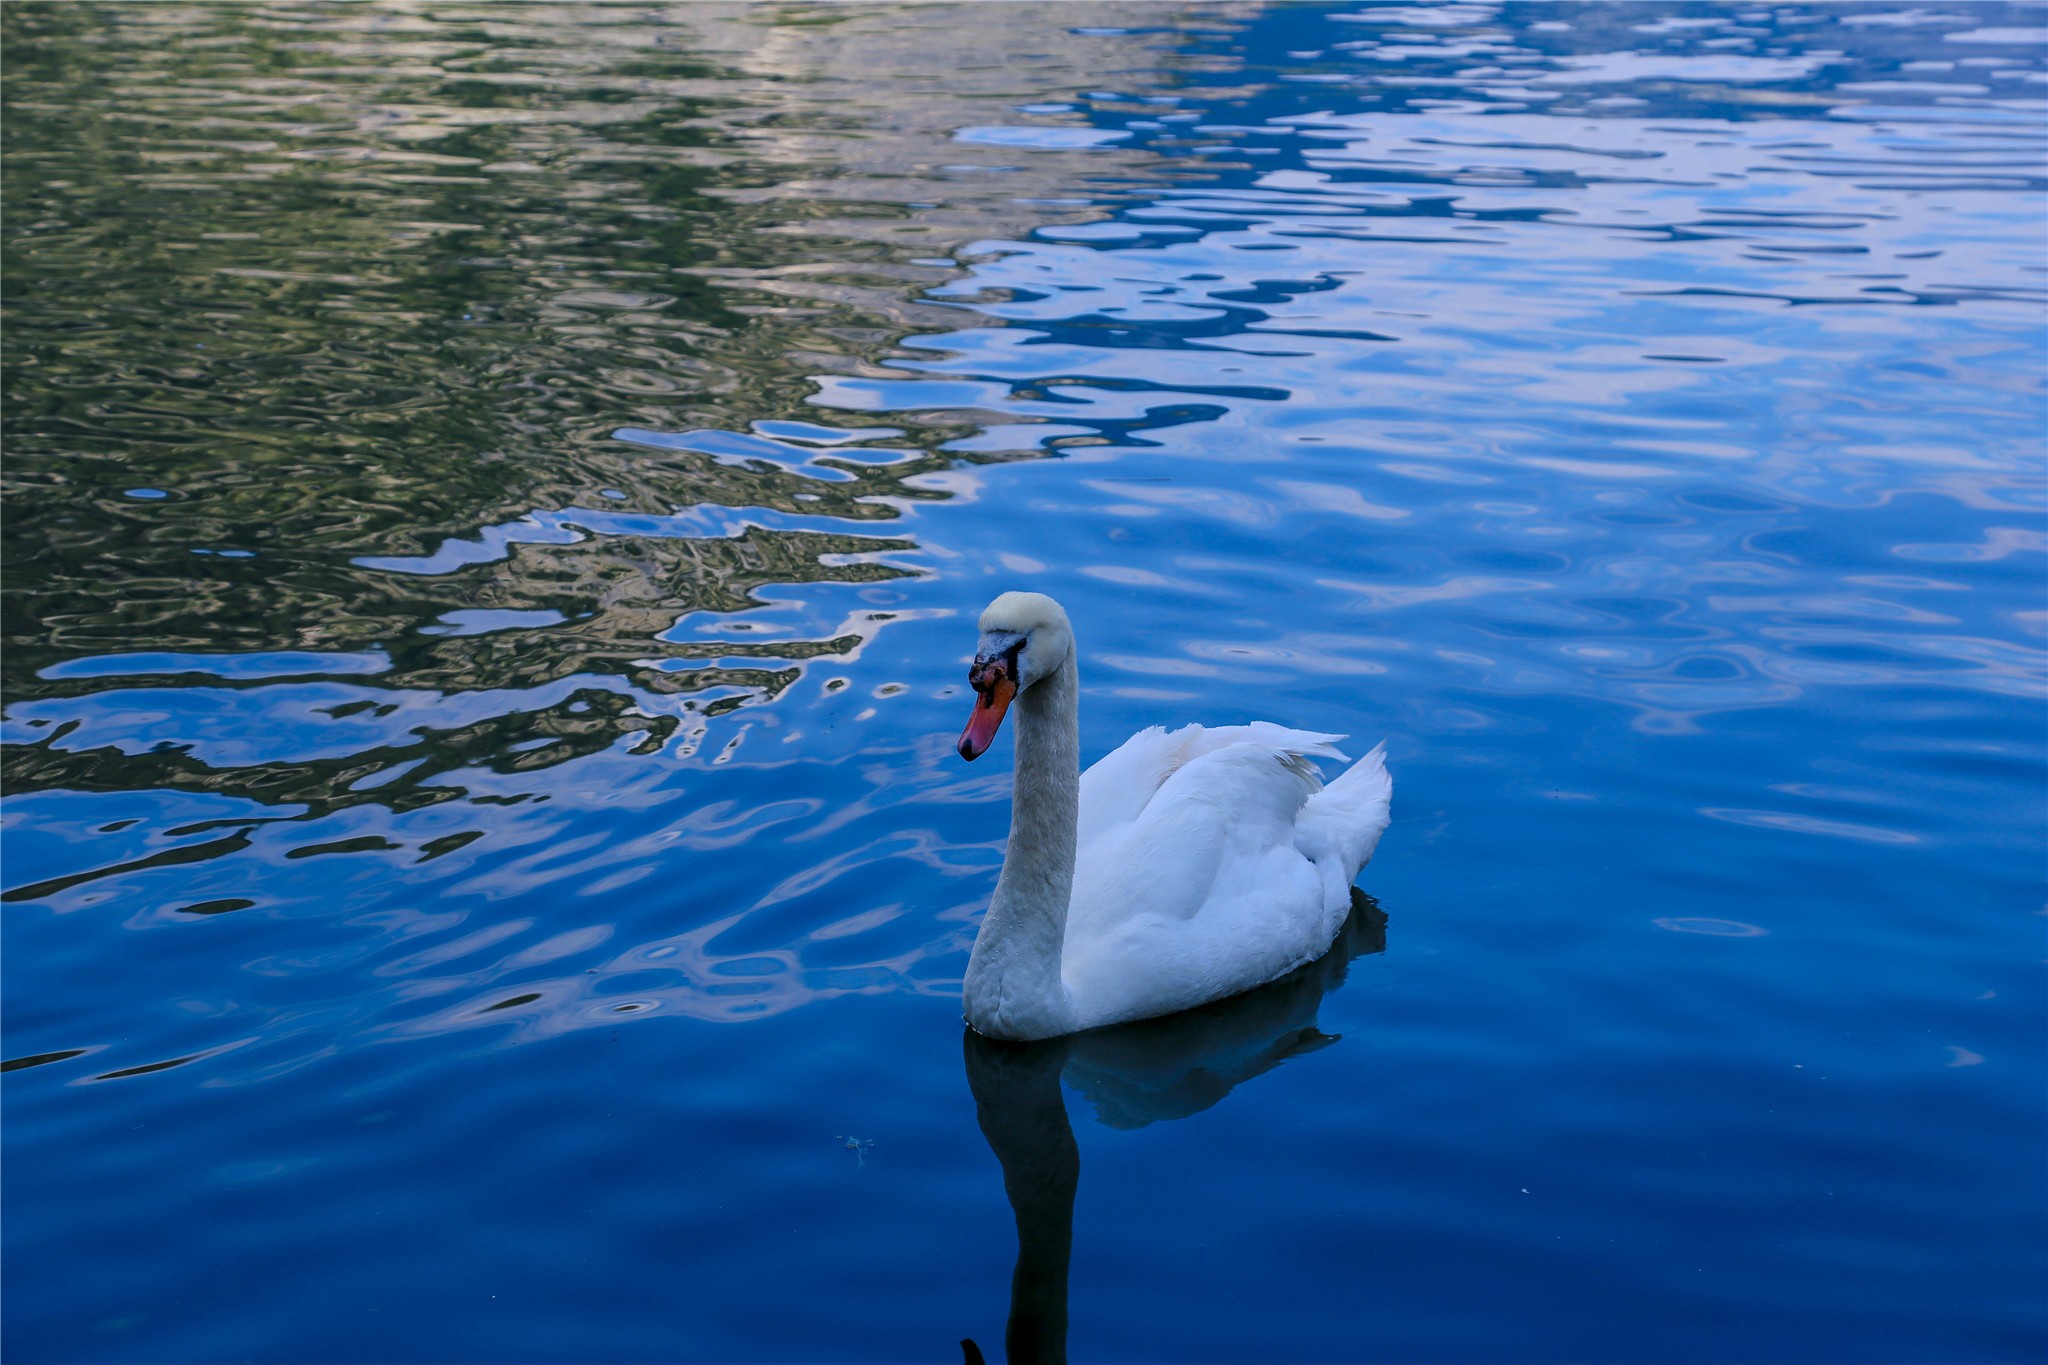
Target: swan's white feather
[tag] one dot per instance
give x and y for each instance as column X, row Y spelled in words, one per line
column 1117, row 786
column 1342, row 823
column 1211, row 860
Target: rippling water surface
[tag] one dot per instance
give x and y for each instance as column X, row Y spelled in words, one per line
column 498, row 498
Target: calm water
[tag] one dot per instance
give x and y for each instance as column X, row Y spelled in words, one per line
column 498, row 498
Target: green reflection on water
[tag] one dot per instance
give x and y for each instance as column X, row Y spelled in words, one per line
column 289, row 287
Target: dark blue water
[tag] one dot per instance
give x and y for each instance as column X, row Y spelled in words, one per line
column 498, row 502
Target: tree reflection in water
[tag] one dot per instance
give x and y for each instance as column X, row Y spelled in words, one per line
column 1148, row 1072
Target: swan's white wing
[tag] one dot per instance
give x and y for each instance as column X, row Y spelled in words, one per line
column 1119, row 784
column 1117, row 788
column 1203, row 893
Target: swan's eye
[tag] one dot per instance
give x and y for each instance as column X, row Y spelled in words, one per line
column 987, row 672
column 998, row 657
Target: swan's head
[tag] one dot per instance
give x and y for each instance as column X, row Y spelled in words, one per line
column 1024, row 638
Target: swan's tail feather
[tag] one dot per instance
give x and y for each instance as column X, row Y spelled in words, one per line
column 1341, row 824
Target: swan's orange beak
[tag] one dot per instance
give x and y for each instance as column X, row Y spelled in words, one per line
column 993, row 688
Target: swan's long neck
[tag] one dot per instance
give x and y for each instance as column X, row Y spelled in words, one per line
column 1013, row 987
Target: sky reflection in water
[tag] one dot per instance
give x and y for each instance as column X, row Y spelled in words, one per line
column 497, row 505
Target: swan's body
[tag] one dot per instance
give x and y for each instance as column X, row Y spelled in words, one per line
column 1184, row 867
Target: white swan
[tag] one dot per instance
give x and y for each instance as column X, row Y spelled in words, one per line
column 1182, row 868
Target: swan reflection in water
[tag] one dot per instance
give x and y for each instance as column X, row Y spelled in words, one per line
column 1134, row 1074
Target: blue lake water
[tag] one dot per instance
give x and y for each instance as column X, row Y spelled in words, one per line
column 499, row 498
